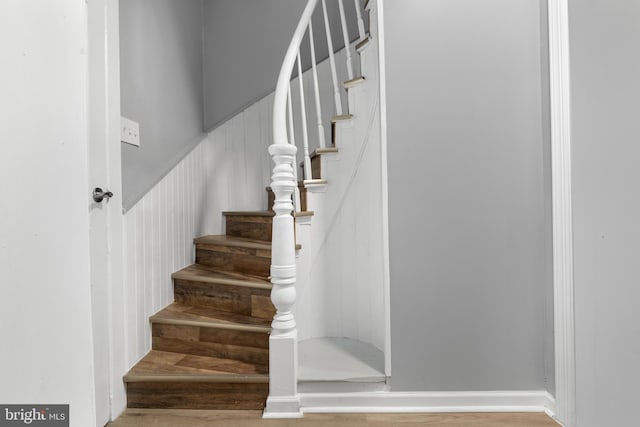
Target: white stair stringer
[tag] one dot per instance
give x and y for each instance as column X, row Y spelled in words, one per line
column 340, row 278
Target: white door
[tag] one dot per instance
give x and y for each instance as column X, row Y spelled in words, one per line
column 105, row 211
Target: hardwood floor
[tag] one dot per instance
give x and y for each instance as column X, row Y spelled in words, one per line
column 197, row 418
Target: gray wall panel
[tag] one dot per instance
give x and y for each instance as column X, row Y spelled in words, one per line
column 161, row 87
column 605, row 85
column 245, row 43
column 468, row 198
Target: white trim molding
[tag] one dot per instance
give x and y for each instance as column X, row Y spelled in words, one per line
column 563, row 285
column 429, row 402
column 382, row 81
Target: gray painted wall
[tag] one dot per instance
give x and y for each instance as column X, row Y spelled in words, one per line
column 605, row 70
column 245, row 42
column 468, row 198
column 189, row 65
column 161, row 87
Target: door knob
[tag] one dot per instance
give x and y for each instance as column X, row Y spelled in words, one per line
column 99, row 195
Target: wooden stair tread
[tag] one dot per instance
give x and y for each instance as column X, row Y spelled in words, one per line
column 318, row 152
column 327, row 150
column 202, row 273
column 181, row 314
column 240, row 242
column 165, row 366
column 353, row 82
column 362, row 44
column 308, row 182
column 341, row 117
column 225, row 240
column 265, row 213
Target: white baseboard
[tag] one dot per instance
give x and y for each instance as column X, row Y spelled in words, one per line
column 398, row 402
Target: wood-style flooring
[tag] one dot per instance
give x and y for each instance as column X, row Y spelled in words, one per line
column 199, row 418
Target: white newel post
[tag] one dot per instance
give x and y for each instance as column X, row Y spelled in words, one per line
column 283, row 398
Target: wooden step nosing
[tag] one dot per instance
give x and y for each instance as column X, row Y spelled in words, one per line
column 335, row 119
column 317, row 153
column 314, row 182
column 249, row 213
column 353, row 82
column 327, row 150
column 197, row 378
column 360, row 47
column 213, row 324
column 179, row 275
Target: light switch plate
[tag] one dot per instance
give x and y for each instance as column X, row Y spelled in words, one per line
column 129, row 131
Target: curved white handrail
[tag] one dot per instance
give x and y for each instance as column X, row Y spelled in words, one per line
column 280, row 101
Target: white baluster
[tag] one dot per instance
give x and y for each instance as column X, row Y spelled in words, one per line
column 321, row 140
column 361, row 30
column 345, row 35
column 303, row 112
column 292, row 141
column 332, row 61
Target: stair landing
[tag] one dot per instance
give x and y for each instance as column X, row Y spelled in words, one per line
column 340, row 359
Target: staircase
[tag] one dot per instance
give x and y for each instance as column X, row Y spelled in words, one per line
column 211, row 347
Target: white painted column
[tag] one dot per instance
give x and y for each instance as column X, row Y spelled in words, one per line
column 564, row 326
column 283, row 398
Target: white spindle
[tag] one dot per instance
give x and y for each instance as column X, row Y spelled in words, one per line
column 332, row 61
column 321, row 140
column 303, row 113
column 292, row 141
column 360, row 20
column 345, row 35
